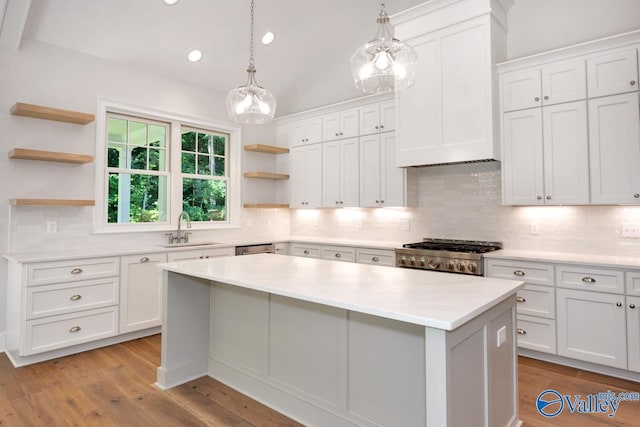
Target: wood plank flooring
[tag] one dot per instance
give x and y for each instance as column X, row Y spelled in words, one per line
column 113, row 386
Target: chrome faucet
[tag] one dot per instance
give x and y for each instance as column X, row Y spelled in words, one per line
column 179, row 237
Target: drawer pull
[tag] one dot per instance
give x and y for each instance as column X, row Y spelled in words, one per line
column 520, row 299
column 75, row 329
column 306, row 252
column 75, row 297
column 588, row 279
column 375, row 259
column 632, row 306
column 144, row 259
column 76, row 271
column 521, row 331
column 518, row 273
column 338, row 255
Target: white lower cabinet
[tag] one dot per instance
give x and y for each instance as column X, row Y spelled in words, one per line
column 376, row 256
column 305, row 250
column 140, row 292
column 339, row 253
column 536, row 333
column 386, row 257
column 592, row 327
column 200, row 254
column 633, row 333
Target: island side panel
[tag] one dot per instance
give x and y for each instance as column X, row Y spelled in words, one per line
column 185, row 329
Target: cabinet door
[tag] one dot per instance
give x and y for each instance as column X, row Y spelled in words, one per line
column 331, row 127
column 314, row 130
column 369, row 119
column 298, row 179
column 520, row 89
column 522, row 162
column 614, row 149
column 298, row 133
column 313, row 167
column 183, row 255
column 349, row 172
column 387, row 116
column 564, row 82
column 331, row 174
column 613, row 73
column 392, row 179
column 566, row 154
column 592, row 327
column 633, row 332
column 140, row 292
column 350, row 123
column 370, row 171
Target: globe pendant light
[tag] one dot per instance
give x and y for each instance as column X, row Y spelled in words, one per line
column 385, row 63
column 251, row 104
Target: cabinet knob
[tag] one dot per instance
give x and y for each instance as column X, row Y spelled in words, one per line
column 75, row 297
column 75, row 329
column 548, row 197
column 520, row 299
column 377, row 201
column 337, row 202
column 337, row 134
column 539, row 197
column 341, row 133
column 144, row 259
column 519, row 273
column 382, row 201
column 201, row 256
column 521, row 331
column 375, row 259
column 637, row 196
column 76, row 271
column 381, row 126
column 588, row 279
column 537, row 99
column 306, row 251
column 377, row 127
column 632, row 306
column 618, row 304
column 632, row 82
column 338, row 255
column 546, row 97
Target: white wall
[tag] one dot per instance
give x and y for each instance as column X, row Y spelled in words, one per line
column 46, row 75
column 539, row 25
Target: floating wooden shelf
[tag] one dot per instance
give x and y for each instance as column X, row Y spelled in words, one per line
column 46, row 113
column 266, row 175
column 49, row 156
column 269, row 149
column 51, row 202
column 265, row 205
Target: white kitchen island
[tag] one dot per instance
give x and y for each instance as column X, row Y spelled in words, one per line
column 342, row 344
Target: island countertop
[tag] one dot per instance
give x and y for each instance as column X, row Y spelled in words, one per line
column 438, row 300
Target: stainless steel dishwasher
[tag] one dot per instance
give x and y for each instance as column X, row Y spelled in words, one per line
column 264, row 248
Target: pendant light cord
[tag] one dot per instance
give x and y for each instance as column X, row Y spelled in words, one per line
column 251, row 63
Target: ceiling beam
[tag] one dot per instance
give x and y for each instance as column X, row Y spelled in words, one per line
column 13, row 19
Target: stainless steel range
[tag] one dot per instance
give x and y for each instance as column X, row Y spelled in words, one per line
column 454, row 256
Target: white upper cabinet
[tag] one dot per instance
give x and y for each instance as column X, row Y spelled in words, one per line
column 377, row 118
column 344, row 124
column 448, row 114
column 614, row 144
column 382, row 184
column 553, row 84
column 304, row 132
column 306, row 176
column 613, row 73
column 340, row 177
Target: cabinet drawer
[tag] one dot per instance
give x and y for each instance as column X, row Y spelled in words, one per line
column 49, row 300
column 376, row 257
column 586, row 278
column 66, row 330
column 310, row 251
column 536, row 334
column 632, row 281
column 339, row 253
column 71, row 270
column 531, row 272
column 536, row 300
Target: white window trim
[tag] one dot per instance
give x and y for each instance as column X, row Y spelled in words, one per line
column 234, row 199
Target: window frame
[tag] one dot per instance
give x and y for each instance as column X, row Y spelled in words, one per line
column 174, row 181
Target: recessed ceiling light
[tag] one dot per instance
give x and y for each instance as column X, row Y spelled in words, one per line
column 194, row 55
column 170, row 2
column 268, row 38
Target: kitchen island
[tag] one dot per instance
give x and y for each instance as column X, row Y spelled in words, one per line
column 341, row 344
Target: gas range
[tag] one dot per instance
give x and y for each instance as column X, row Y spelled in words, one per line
column 454, row 256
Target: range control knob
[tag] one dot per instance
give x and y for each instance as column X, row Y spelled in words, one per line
column 451, row 265
column 412, row 260
column 472, row 267
column 403, row 259
column 434, row 263
column 422, row 262
column 462, row 266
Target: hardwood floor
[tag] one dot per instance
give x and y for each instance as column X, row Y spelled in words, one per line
column 114, row 386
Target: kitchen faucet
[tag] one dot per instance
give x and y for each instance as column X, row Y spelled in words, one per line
column 179, row 237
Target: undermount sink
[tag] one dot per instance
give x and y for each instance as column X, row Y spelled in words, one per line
column 182, row 245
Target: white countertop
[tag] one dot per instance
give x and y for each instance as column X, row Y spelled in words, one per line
column 567, row 258
column 437, row 300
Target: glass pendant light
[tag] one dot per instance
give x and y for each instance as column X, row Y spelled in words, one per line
column 385, row 63
column 251, row 104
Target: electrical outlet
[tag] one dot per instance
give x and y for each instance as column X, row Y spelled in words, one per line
column 52, row 227
column 406, row 225
column 631, row 230
column 501, row 336
column 534, row 228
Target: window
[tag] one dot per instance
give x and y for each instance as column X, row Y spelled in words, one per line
column 156, row 165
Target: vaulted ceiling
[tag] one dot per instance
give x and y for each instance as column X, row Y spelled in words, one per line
column 306, row 66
